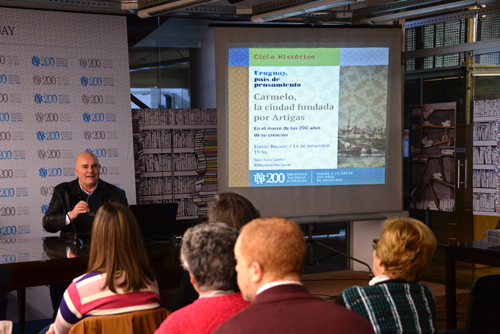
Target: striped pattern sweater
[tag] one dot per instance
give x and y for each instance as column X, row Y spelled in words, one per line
column 86, row 297
column 394, row 307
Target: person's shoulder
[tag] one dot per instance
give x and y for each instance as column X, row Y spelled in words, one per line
column 321, row 305
column 238, row 323
column 422, row 286
column 93, row 275
column 65, row 187
column 107, row 184
column 171, row 324
column 237, row 298
column 182, row 318
column 405, row 286
column 228, row 304
column 355, row 293
column 357, row 287
column 426, row 290
column 354, row 290
column 111, row 187
column 341, row 317
column 66, row 184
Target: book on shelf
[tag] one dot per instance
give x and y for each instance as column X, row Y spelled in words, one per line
column 206, row 187
column 205, row 200
column 208, row 193
column 203, row 210
column 205, row 195
column 206, row 180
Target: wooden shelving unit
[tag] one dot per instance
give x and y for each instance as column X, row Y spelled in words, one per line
column 172, row 162
column 432, row 158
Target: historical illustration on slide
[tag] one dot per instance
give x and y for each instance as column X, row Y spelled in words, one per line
column 362, row 116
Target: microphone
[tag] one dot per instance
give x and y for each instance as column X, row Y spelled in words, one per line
column 370, row 271
column 310, row 241
column 75, row 241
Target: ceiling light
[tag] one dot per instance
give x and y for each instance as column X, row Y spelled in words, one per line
column 299, row 10
column 171, row 7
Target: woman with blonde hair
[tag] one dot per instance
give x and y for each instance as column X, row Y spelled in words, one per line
column 118, row 279
column 394, row 301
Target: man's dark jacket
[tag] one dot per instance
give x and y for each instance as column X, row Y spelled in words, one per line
column 66, row 195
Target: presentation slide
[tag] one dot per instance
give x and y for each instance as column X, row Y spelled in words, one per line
column 308, row 119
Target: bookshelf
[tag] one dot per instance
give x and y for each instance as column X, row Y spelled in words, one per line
column 485, row 157
column 176, row 158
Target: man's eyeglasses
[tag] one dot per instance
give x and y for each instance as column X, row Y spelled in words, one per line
column 374, row 243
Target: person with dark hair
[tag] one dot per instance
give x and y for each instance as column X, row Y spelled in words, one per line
column 207, row 255
column 231, row 209
column 4, row 290
column 118, row 279
column 394, row 301
column 270, row 255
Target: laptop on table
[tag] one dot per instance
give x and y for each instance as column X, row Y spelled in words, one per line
column 156, row 221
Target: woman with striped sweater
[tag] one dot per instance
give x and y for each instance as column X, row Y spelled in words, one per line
column 118, row 279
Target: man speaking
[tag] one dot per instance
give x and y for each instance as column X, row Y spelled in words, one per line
column 76, row 202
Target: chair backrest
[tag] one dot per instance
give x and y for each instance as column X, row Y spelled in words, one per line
column 483, row 315
column 143, row 322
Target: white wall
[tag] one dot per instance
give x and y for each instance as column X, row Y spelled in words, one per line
column 361, row 238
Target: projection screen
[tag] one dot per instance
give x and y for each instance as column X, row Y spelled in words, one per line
column 309, row 119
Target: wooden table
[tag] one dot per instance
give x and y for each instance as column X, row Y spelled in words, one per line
column 43, row 261
column 478, row 252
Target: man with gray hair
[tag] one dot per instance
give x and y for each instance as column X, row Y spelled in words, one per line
column 75, row 203
column 207, row 254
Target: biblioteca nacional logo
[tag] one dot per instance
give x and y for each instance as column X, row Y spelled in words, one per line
column 6, row 30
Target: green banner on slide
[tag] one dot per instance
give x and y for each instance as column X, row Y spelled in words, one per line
column 294, row 57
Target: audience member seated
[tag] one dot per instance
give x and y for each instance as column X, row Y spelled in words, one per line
column 4, row 290
column 118, row 278
column 394, row 302
column 207, row 255
column 230, row 208
column 270, row 255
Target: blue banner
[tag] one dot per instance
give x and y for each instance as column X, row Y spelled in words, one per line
column 316, row 177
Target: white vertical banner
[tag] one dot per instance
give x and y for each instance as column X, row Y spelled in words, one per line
column 64, row 89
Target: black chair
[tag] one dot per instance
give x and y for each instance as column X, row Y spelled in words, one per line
column 483, row 314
